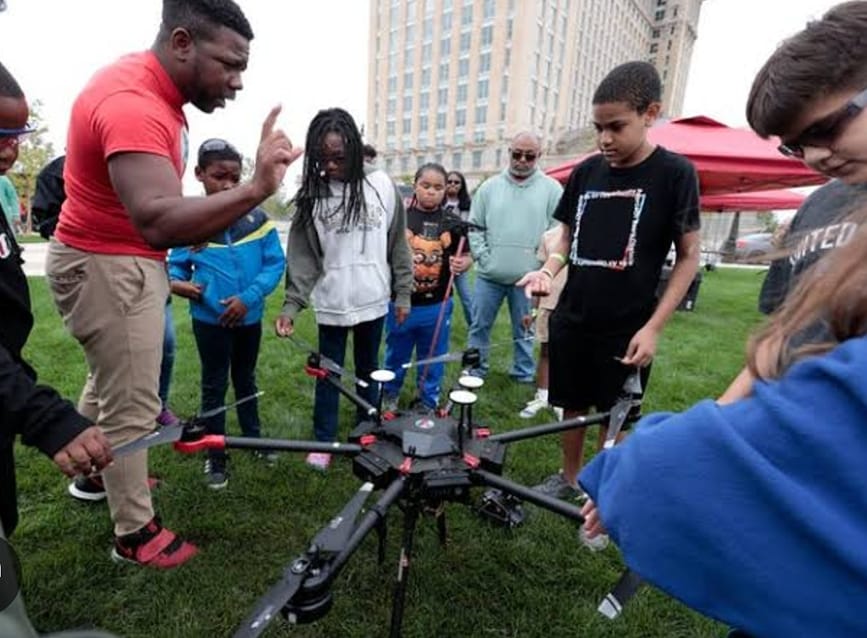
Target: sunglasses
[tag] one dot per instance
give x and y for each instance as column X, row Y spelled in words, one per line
column 216, row 145
column 453, row 182
column 529, row 156
column 10, row 137
column 825, row 131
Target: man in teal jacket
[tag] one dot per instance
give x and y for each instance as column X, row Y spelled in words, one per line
column 513, row 208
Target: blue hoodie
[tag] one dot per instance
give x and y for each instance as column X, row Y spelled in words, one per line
column 753, row 513
column 245, row 260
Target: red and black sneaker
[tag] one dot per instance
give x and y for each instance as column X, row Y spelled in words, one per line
column 91, row 488
column 153, row 546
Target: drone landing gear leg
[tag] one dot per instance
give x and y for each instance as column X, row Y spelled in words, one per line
column 410, row 518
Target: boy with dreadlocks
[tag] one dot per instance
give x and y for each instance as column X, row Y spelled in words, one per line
column 347, row 247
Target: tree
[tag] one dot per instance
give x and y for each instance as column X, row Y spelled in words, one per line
column 34, row 152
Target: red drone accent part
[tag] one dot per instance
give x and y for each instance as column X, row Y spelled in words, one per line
column 316, row 373
column 207, row 442
column 406, row 466
column 483, row 433
column 472, row 461
column 367, row 440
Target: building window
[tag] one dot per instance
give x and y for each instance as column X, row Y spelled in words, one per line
column 654, row 47
column 481, row 114
column 445, row 46
column 467, row 16
column 407, row 80
column 389, row 127
column 410, row 34
column 654, row 34
column 479, row 136
column 499, row 156
column 424, row 101
column 425, row 78
column 407, row 103
column 422, row 122
column 463, row 67
column 407, row 126
column 659, row 15
column 391, row 106
column 456, row 161
column 441, row 121
column 444, row 72
column 482, row 90
column 460, row 118
column 465, row 41
column 487, row 35
column 428, row 29
column 446, row 23
column 404, row 164
column 462, row 93
column 389, row 165
column 426, row 51
column 485, row 63
column 443, row 97
column 488, row 9
column 392, row 83
column 477, row 159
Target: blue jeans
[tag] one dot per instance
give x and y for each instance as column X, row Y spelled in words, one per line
column 486, row 304
column 462, row 287
column 416, row 333
column 366, row 338
column 168, row 362
column 222, row 350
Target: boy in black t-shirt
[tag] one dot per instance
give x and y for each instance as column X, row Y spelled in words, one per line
column 619, row 214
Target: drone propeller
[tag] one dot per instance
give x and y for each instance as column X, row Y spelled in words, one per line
column 460, row 355
column 275, row 598
column 173, row 433
column 335, row 535
column 326, row 363
column 620, row 410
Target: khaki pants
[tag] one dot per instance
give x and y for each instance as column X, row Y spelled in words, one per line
column 113, row 305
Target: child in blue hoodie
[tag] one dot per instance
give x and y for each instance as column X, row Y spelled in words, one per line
column 227, row 281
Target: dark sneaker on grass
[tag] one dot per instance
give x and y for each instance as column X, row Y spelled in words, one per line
column 153, row 546
column 556, row 486
column 216, row 475
column 92, row 489
column 87, row 488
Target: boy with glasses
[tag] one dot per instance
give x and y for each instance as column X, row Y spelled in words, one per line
column 514, row 208
column 811, row 93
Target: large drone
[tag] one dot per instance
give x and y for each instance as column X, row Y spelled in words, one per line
column 418, row 461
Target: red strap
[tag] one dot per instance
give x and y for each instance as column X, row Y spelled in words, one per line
column 316, row 373
column 207, row 442
column 146, row 552
column 368, row 440
column 472, row 461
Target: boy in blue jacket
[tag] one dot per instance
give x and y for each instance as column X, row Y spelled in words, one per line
column 227, row 281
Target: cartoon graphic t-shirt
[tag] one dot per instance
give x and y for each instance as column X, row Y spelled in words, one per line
column 433, row 238
column 622, row 223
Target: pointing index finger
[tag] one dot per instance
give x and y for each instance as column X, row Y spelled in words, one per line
column 268, row 124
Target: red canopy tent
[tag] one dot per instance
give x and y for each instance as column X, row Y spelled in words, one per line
column 761, row 200
column 728, row 160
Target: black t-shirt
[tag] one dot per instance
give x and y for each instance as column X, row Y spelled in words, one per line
column 817, row 227
column 433, row 238
column 622, row 222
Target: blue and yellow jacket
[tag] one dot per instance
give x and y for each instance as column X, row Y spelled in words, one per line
column 245, row 260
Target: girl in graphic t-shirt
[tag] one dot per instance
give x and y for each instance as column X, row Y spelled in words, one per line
column 436, row 243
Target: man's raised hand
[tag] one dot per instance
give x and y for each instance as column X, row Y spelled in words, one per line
column 273, row 157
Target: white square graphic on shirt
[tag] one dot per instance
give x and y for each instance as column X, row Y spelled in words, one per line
column 606, row 228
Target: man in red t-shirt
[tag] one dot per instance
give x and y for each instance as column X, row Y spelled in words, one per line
column 126, row 152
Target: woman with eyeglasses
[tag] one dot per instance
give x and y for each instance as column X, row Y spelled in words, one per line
column 457, row 202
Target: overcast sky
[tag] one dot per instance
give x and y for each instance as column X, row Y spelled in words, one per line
column 312, row 54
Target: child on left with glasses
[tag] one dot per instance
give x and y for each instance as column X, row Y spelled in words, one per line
column 227, row 281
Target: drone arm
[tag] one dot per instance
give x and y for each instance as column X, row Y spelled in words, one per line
column 528, row 494
column 549, row 428
column 219, row 442
column 349, row 394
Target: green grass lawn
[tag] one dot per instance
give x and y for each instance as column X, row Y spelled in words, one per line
column 534, row 581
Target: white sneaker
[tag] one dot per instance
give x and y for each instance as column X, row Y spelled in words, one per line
column 558, row 413
column 595, row 544
column 533, row 407
column 319, row 460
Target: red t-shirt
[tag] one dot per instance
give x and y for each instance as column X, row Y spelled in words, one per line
column 129, row 106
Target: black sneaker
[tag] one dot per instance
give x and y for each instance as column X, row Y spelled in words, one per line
column 216, row 475
column 87, row 488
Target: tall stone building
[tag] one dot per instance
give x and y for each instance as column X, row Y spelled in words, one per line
column 451, row 80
